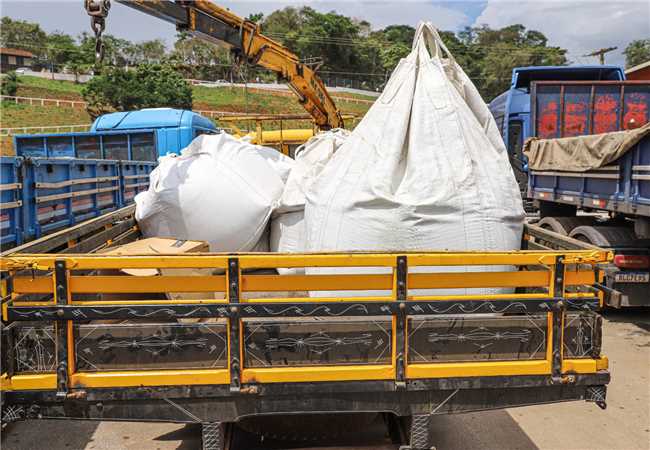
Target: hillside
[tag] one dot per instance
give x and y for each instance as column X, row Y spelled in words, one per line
column 222, row 99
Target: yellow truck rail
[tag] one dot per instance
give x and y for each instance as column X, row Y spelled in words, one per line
column 287, row 296
column 215, row 338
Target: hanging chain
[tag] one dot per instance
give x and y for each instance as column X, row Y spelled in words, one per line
column 98, row 10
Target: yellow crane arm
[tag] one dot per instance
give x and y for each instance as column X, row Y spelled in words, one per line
column 208, row 21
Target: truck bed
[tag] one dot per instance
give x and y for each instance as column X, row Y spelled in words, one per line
column 621, row 187
column 74, row 349
column 578, row 108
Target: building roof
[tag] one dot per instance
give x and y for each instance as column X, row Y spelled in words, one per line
column 638, row 67
column 15, row 52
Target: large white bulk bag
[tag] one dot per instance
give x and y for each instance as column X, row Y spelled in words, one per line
column 287, row 224
column 220, row 190
column 424, row 170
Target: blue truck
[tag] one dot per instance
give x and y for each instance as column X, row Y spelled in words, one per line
column 608, row 207
column 58, row 180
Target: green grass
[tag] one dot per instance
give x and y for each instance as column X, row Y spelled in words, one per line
column 225, row 98
column 353, row 95
column 51, row 85
column 218, row 98
column 24, row 115
column 236, row 99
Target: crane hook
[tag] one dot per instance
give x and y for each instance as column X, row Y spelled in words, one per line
column 98, row 10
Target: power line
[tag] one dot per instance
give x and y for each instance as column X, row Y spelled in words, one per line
column 601, row 54
column 518, row 50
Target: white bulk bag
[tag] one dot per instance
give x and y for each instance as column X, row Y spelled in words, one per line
column 220, row 190
column 424, row 170
column 287, row 224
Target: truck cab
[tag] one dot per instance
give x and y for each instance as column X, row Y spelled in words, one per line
column 168, row 130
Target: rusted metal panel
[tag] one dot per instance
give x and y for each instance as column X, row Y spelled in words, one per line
column 607, row 100
column 576, row 108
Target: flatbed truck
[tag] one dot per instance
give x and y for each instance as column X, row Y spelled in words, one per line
column 608, row 206
column 251, row 343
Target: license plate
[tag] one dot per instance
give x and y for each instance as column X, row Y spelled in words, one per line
column 632, row 277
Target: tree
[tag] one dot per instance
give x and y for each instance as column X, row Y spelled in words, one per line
column 22, row 35
column 399, row 34
column 488, row 56
column 59, row 50
column 9, row 84
column 116, row 50
column 147, row 52
column 78, row 64
column 257, row 17
column 637, row 52
column 199, row 59
column 148, row 86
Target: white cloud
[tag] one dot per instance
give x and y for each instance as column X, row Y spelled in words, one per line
column 579, row 26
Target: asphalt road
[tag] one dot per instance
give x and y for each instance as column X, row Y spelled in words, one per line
column 625, row 425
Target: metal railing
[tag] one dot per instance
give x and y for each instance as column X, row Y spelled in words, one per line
column 44, row 129
column 38, row 101
column 371, row 326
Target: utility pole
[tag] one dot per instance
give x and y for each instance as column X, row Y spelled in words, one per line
column 601, row 53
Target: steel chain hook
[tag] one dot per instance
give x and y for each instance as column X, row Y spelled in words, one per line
column 98, row 10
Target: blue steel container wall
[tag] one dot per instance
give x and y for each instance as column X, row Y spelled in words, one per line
column 576, row 113
column 37, row 212
column 601, row 188
column 569, row 184
column 11, row 200
column 109, row 199
column 636, row 105
column 134, row 178
column 632, row 185
column 576, row 120
column 547, row 112
column 60, row 146
column 641, row 159
column 103, row 182
column 30, row 146
column 54, row 197
column 607, row 108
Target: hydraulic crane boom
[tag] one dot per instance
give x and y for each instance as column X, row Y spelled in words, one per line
column 208, row 21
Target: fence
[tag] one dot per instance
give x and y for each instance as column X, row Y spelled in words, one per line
column 37, row 101
column 291, row 94
column 5, row 132
column 45, row 101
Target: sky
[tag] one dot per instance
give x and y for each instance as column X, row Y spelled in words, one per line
column 580, row 26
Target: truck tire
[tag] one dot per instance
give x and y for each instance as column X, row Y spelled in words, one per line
column 603, row 236
column 564, row 225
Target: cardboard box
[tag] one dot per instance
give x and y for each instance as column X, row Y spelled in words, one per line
column 161, row 246
column 156, row 246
